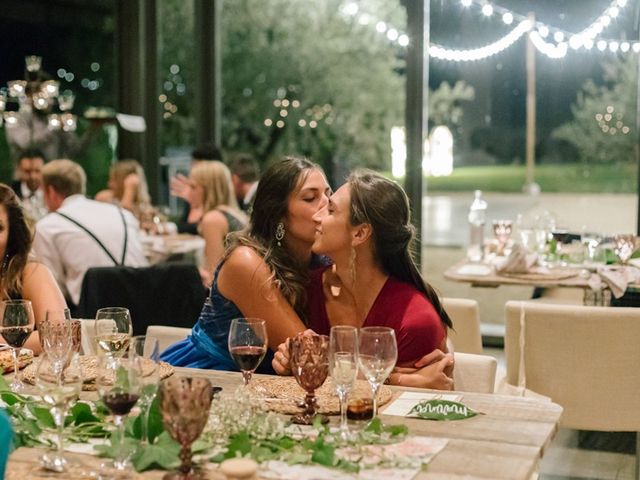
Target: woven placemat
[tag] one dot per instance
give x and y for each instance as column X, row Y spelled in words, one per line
column 555, row 274
column 6, row 359
column 90, row 371
column 282, row 394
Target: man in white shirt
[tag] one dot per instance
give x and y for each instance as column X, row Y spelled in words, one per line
column 80, row 233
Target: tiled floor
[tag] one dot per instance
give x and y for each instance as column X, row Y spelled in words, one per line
column 584, row 455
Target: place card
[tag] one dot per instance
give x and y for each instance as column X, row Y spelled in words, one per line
column 405, row 402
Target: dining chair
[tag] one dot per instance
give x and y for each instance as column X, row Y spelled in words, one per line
column 584, row 358
column 167, row 335
column 465, row 315
column 474, row 373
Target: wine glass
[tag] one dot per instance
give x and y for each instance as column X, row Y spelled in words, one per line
column 343, row 366
column 377, row 355
column 309, row 358
column 147, row 352
column 17, row 324
column 59, row 389
column 118, row 382
column 113, row 330
column 56, row 338
column 624, row 246
column 247, row 344
column 185, row 404
column 502, row 230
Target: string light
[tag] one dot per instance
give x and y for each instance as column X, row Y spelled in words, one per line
column 538, row 31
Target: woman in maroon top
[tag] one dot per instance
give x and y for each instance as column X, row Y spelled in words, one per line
column 374, row 281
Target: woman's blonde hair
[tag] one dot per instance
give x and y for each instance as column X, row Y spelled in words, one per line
column 215, row 179
column 120, row 170
column 18, row 244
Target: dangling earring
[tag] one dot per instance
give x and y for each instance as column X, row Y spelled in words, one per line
column 279, row 233
column 352, row 265
column 5, row 263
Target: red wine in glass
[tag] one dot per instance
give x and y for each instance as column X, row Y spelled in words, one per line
column 248, row 358
column 17, row 336
column 120, row 403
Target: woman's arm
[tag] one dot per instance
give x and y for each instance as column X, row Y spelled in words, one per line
column 131, row 184
column 246, row 280
column 213, row 228
column 434, row 372
column 39, row 286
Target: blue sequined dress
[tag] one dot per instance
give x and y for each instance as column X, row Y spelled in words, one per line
column 207, row 345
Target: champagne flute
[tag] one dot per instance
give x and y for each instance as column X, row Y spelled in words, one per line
column 113, row 330
column 247, row 344
column 377, row 355
column 118, row 382
column 59, row 390
column 17, row 324
column 343, row 367
column 147, row 352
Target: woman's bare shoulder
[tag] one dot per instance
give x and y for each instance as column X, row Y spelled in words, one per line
column 243, row 266
column 104, row 196
column 35, row 271
column 213, row 218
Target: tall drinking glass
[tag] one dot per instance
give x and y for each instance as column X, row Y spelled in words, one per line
column 343, row 367
column 247, row 344
column 377, row 355
column 59, row 390
column 118, row 383
column 147, row 352
column 113, row 330
column 17, row 321
column 56, row 337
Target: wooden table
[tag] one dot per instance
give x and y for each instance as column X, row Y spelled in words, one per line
column 506, row 442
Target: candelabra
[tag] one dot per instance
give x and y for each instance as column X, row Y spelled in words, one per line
column 37, row 95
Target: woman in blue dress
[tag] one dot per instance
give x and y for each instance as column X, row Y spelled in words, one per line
column 264, row 272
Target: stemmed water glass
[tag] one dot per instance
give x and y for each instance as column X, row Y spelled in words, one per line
column 624, row 246
column 17, row 323
column 185, row 403
column 309, row 358
column 113, row 330
column 147, row 353
column 502, row 231
column 247, row 344
column 59, row 388
column 343, row 367
column 377, row 355
column 118, row 382
column 56, row 337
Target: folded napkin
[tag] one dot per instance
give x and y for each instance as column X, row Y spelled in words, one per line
column 617, row 278
column 520, row 260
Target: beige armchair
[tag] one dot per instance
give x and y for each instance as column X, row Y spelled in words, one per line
column 474, row 373
column 584, row 358
column 167, row 335
column 465, row 316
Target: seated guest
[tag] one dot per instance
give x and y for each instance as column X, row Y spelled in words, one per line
column 366, row 231
column 181, row 187
column 245, row 173
column 212, row 192
column 80, row 233
column 265, row 270
column 127, row 187
column 20, row 277
column 29, row 182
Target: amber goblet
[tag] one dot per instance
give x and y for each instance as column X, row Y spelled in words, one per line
column 309, row 357
column 185, row 403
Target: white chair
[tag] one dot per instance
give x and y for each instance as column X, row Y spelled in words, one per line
column 87, row 336
column 167, row 335
column 584, row 358
column 474, row 373
column 465, row 315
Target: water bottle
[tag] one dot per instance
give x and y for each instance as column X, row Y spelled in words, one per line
column 477, row 219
